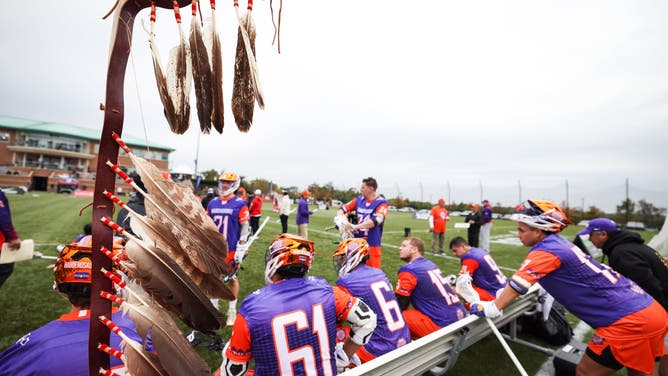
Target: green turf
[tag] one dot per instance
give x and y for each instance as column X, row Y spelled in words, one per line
column 27, row 300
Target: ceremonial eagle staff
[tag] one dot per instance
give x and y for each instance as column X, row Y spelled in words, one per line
column 121, row 36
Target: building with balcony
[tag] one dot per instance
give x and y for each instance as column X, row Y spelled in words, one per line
column 37, row 154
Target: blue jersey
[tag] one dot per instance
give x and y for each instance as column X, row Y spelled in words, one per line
column 429, row 292
column 228, row 215
column 293, row 320
column 364, row 210
column 373, row 287
column 303, row 213
column 61, row 347
column 482, row 268
column 588, row 289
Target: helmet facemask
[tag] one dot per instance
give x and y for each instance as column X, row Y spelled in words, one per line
column 349, row 254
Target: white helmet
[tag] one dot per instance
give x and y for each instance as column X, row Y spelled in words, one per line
column 228, row 176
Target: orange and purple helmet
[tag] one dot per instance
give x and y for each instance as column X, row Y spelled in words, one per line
column 73, row 267
column 542, row 214
column 349, row 254
column 290, row 256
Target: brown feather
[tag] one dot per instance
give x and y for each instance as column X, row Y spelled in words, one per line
column 201, row 76
column 174, row 351
column 164, row 280
column 218, row 109
column 137, row 360
column 178, row 84
column 161, row 237
column 161, row 81
column 186, row 218
column 243, row 94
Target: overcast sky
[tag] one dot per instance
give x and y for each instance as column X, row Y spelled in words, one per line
column 501, row 97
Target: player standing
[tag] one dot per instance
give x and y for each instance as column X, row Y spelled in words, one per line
column 371, row 209
column 230, row 213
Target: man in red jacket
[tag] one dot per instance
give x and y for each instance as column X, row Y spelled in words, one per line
column 255, row 211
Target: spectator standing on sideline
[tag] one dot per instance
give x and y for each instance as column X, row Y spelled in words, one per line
column 7, row 235
column 421, row 284
column 289, row 325
column 629, row 255
column 371, row 209
column 284, row 211
column 230, row 214
column 488, row 280
column 438, row 219
column 303, row 214
column 210, row 195
column 61, row 346
column 255, row 211
column 373, row 287
column 486, row 228
column 629, row 324
column 474, row 219
column 136, row 203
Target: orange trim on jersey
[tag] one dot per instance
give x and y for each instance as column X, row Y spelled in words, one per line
column 239, row 349
column 80, row 315
column 406, row 282
column 636, row 339
column 382, row 210
column 344, row 302
column 244, row 214
column 469, row 266
column 535, row 266
column 350, row 206
column 375, row 254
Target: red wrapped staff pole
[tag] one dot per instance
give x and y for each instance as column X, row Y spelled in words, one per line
column 105, row 179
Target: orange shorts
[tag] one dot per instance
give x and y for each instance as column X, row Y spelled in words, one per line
column 374, row 257
column 635, row 340
column 484, row 295
column 418, row 323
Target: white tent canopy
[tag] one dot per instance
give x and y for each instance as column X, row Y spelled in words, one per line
column 660, row 241
column 182, row 169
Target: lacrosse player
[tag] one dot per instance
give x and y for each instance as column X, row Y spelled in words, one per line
column 480, row 266
column 629, row 324
column 422, row 284
column 289, row 326
column 61, row 346
column 372, row 286
column 230, row 213
column 371, row 209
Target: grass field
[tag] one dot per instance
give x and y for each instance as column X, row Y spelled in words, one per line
column 27, row 300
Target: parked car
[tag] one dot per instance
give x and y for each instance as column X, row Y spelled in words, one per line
column 421, row 214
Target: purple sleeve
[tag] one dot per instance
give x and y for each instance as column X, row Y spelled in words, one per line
column 6, row 219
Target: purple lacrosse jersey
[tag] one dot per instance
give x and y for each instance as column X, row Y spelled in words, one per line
column 431, row 293
column 487, row 274
column 226, row 215
column 294, row 320
column 372, row 285
column 364, row 211
column 588, row 289
column 61, row 348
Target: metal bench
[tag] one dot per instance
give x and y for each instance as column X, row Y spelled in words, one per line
column 443, row 346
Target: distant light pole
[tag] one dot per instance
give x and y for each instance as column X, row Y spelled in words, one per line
column 519, row 191
column 480, row 183
column 421, row 193
column 449, row 192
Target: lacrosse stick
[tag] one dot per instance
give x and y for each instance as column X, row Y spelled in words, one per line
column 465, row 289
column 247, row 247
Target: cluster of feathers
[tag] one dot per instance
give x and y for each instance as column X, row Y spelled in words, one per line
column 200, row 61
column 176, row 258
